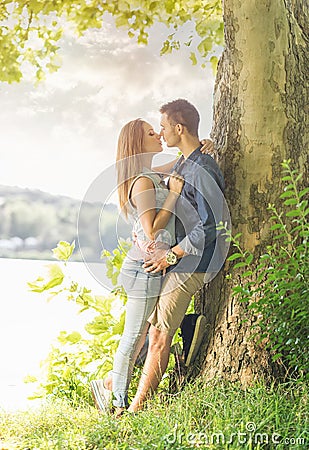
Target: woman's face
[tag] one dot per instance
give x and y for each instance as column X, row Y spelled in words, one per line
column 152, row 140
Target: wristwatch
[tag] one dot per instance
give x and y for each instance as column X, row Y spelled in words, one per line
column 171, row 258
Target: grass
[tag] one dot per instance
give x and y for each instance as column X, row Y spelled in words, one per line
column 213, row 416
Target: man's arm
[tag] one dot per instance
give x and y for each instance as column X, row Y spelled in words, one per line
column 209, row 208
column 208, row 197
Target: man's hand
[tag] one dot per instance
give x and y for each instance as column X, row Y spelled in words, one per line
column 157, row 262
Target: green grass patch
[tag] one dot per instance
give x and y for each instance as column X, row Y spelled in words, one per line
column 212, row 415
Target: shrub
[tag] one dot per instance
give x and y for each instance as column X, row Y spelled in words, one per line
column 77, row 359
column 276, row 285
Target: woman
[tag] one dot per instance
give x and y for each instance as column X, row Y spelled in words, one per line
column 148, row 205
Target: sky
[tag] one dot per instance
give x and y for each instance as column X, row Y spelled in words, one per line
column 59, row 136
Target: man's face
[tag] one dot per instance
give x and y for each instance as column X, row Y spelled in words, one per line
column 168, row 132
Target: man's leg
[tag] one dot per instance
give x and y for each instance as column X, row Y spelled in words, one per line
column 154, row 368
column 169, row 312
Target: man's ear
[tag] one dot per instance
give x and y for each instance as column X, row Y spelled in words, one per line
column 179, row 128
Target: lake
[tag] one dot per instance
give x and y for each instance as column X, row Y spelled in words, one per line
column 29, row 324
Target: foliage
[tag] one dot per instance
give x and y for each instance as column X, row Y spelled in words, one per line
column 31, row 31
column 277, row 285
column 77, row 359
column 274, row 417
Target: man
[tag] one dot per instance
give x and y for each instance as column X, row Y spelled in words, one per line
column 196, row 255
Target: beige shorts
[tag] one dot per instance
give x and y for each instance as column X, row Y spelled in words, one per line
column 175, row 297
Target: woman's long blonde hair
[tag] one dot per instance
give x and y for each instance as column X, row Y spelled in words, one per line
column 129, row 161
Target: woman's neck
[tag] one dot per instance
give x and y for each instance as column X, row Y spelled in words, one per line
column 147, row 160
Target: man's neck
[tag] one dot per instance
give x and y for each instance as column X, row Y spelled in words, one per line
column 188, row 145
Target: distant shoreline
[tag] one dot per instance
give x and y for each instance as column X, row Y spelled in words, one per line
column 33, row 222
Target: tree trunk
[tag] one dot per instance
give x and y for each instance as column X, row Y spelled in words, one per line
column 259, row 120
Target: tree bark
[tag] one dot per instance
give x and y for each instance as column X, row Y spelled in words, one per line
column 260, row 109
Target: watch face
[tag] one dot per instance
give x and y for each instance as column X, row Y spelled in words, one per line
column 171, row 258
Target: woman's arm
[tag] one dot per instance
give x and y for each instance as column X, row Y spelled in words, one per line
column 144, row 199
column 208, row 147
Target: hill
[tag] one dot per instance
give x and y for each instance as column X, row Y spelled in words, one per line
column 32, row 222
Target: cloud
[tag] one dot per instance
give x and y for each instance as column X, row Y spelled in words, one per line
column 73, row 119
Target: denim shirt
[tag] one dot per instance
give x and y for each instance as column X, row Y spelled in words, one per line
column 198, row 210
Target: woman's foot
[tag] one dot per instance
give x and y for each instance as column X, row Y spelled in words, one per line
column 101, row 394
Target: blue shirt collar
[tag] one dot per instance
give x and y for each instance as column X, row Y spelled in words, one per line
column 195, row 154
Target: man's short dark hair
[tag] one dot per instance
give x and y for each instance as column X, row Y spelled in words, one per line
column 182, row 112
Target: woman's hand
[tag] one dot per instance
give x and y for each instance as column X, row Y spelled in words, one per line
column 208, row 146
column 175, row 183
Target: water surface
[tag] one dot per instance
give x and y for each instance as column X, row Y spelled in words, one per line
column 29, row 325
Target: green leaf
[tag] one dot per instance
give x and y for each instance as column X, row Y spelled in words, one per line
column 64, row 250
column 246, row 274
column 293, row 213
column 238, row 289
column 249, row 259
column 239, row 265
column 121, row 21
column 237, row 236
column 287, row 194
column 234, row 256
column 214, row 64
column 290, row 187
column 74, row 337
column 193, row 58
column 303, row 204
column 290, row 201
column 205, row 46
column 280, row 236
column 277, row 356
column 303, row 192
column 277, row 226
column 55, row 277
column 30, row 379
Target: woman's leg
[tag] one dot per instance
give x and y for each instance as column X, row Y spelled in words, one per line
column 142, row 290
